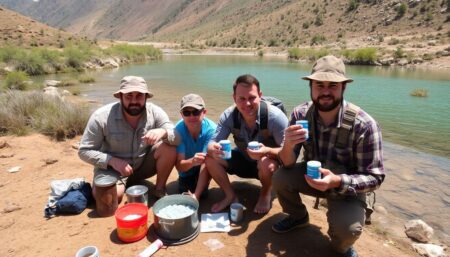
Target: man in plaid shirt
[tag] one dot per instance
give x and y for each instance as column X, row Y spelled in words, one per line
column 347, row 142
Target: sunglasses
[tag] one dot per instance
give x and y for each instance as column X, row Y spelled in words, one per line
column 189, row 113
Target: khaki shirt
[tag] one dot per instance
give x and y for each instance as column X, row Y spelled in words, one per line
column 108, row 135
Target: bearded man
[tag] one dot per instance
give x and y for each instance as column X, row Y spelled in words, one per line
column 346, row 141
column 124, row 142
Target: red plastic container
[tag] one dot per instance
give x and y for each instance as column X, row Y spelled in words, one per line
column 132, row 222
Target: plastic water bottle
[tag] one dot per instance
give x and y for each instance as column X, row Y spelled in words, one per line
column 151, row 249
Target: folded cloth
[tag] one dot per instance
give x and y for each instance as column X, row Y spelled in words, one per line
column 68, row 196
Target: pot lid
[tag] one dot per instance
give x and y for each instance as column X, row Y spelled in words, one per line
column 105, row 181
column 136, row 190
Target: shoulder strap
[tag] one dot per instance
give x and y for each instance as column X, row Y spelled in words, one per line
column 264, row 119
column 348, row 121
column 236, row 122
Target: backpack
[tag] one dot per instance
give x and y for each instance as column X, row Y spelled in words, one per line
column 264, row 120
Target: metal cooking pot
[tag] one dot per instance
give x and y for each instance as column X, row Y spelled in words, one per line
column 177, row 228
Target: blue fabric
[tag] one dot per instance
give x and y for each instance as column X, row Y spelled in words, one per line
column 73, row 202
column 189, row 146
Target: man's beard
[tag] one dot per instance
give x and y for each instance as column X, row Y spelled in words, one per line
column 327, row 108
column 134, row 109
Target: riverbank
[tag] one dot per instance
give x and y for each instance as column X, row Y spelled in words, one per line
column 26, row 232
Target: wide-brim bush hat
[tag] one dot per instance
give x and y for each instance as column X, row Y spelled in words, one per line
column 130, row 84
column 328, row 68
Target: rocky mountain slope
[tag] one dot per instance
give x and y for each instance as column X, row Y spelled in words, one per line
column 244, row 23
column 19, row 30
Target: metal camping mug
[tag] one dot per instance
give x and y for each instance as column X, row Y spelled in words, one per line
column 236, row 212
column 312, row 169
column 137, row 194
column 106, row 199
column 304, row 124
column 90, row 251
column 226, row 148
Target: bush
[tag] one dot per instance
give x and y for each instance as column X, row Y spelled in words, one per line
column 399, row 53
column 86, row 79
column 361, row 56
column 75, row 57
column 401, row 10
column 352, row 5
column 21, row 112
column 135, row 53
column 16, row 80
column 309, row 54
column 420, row 92
column 318, row 39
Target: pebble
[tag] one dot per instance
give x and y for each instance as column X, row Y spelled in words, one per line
column 176, row 211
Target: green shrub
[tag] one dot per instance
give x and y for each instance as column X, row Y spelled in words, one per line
column 22, row 112
column 309, row 54
column 16, row 80
column 401, row 10
column 420, row 92
column 318, row 39
column 352, row 5
column 86, row 79
column 260, row 53
column 32, row 63
column 135, row 53
column 399, row 53
column 294, row 53
column 75, row 57
column 362, row 56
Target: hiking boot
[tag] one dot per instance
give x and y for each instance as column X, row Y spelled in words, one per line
column 350, row 253
column 287, row 224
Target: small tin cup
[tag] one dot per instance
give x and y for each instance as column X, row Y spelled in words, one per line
column 236, row 212
column 226, row 148
column 312, row 169
column 137, row 194
column 254, row 145
column 90, row 251
column 305, row 125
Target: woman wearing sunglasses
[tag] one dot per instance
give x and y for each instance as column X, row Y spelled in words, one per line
column 195, row 131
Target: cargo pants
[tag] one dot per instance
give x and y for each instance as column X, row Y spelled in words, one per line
column 345, row 214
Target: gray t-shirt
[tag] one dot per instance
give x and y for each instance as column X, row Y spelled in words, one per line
column 108, row 135
column 277, row 123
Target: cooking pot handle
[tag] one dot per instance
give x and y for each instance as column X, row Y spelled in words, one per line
column 166, row 223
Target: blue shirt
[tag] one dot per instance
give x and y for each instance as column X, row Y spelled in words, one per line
column 189, row 146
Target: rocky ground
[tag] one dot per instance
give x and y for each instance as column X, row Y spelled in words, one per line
column 26, row 232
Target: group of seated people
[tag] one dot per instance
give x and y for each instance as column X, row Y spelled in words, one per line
column 133, row 139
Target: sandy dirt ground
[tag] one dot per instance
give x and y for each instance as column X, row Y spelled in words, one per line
column 25, row 231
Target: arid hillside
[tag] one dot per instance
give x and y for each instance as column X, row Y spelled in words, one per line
column 19, row 30
column 246, row 23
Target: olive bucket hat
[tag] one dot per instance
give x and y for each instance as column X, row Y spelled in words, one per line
column 130, row 84
column 328, row 68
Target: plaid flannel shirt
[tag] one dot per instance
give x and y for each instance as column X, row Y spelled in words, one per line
column 363, row 157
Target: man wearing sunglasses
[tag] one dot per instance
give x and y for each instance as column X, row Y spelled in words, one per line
column 123, row 140
column 247, row 163
column 195, row 131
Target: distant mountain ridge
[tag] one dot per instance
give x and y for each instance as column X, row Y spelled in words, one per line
column 241, row 23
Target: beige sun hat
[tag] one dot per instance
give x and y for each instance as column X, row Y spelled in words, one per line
column 328, row 68
column 130, row 84
column 192, row 100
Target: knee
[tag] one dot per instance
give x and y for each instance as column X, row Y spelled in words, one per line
column 165, row 151
column 280, row 179
column 343, row 237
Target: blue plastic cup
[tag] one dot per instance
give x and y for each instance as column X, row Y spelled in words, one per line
column 312, row 169
column 253, row 145
column 305, row 125
column 226, row 148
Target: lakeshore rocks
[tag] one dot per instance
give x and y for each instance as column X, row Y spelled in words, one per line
column 419, row 230
column 429, row 250
column 52, row 92
column 51, row 83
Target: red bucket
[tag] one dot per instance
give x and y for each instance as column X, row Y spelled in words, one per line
column 132, row 222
